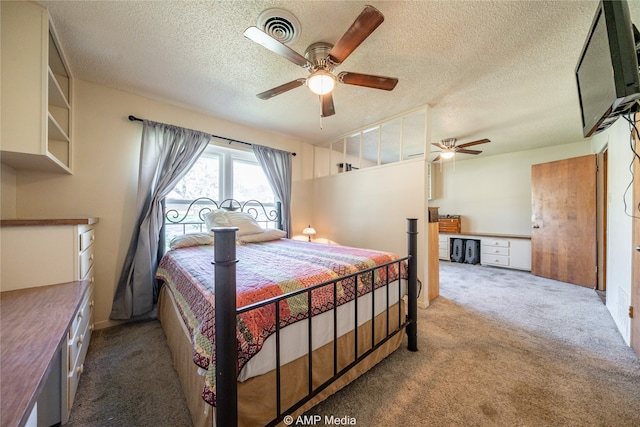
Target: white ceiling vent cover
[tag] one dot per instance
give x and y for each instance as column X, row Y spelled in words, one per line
column 279, row 24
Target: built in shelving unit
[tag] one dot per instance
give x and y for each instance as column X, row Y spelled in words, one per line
column 36, row 92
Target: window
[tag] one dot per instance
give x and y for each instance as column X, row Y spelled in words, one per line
column 219, row 174
column 399, row 139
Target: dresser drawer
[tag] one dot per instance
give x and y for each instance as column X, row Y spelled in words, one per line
column 86, row 261
column 86, row 239
column 490, row 259
column 495, row 242
column 77, row 345
column 495, row 250
column 73, row 376
column 83, row 316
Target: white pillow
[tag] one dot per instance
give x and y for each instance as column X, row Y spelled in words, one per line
column 191, row 239
column 216, row 218
column 245, row 222
column 265, row 236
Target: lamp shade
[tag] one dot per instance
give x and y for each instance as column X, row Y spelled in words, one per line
column 321, row 82
column 309, row 231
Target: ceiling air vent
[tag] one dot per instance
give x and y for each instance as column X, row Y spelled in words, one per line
column 279, row 24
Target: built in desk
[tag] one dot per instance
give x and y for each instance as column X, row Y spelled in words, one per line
column 34, row 326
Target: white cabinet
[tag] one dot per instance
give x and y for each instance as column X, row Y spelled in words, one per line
column 36, row 91
column 78, row 338
column 62, row 250
column 39, row 252
column 500, row 251
column 520, row 254
column 444, row 251
column 506, row 252
column 495, row 252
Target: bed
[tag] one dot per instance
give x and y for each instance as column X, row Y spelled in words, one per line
column 300, row 320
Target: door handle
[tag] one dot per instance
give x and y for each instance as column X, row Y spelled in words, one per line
column 535, row 226
column 638, row 248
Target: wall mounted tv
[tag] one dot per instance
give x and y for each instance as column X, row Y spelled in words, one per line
column 607, row 71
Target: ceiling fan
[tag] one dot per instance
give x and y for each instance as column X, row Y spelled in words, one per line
column 321, row 58
column 449, row 148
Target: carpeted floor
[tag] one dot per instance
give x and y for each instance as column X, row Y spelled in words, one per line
column 497, row 348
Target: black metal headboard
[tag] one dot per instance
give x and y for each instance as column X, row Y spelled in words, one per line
column 188, row 217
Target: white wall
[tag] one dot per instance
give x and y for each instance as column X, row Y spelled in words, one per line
column 104, row 182
column 619, row 222
column 493, row 194
column 368, row 208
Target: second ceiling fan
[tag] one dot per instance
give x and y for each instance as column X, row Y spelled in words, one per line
column 321, row 58
column 449, row 148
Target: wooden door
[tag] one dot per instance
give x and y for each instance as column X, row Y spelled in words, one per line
column 563, row 237
column 635, row 277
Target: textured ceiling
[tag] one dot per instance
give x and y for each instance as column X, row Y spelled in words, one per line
column 502, row 70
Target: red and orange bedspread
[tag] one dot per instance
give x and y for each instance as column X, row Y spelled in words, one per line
column 266, row 270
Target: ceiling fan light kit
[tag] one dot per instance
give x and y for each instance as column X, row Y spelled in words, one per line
column 321, row 82
column 321, row 58
column 447, row 154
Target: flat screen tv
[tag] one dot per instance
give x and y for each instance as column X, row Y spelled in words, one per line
column 607, row 71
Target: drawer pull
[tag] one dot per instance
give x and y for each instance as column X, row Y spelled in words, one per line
column 91, row 257
column 91, row 326
column 92, row 238
column 79, row 340
column 79, row 315
column 91, row 303
column 80, row 369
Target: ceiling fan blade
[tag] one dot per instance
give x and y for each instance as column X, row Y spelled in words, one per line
column 469, row 144
column 264, row 39
column 368, row 20
column 437, row 144
column 327, row 105
column 436, row 159
column 281, row 89
column 367, row 80
column 465, row 151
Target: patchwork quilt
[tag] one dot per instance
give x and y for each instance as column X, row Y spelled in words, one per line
column 267, row 270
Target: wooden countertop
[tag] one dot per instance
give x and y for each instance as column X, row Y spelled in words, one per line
column 498, row 235
column 34, row 322
column 16, row 222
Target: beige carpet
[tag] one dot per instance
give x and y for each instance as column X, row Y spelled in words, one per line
column 497, row 348
column 502, row 348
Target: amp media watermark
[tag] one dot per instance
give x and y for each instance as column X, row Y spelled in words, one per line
column 320, row 420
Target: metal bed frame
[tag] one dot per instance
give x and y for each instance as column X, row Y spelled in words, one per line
column 226, row 320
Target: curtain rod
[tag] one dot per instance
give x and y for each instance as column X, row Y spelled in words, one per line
column 136, row 119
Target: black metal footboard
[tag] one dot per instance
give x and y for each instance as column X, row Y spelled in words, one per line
column 226, row 321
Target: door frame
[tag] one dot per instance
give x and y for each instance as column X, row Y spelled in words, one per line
column 602, row 159
column 635, row 248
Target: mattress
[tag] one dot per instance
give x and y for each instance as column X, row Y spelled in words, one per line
column 272, row 269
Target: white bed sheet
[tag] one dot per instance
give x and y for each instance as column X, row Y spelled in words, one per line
column 294, row 339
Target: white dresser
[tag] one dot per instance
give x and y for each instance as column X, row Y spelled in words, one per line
column 36, row 253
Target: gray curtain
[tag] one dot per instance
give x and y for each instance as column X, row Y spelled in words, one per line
column 276, row 165
column 166, row 154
